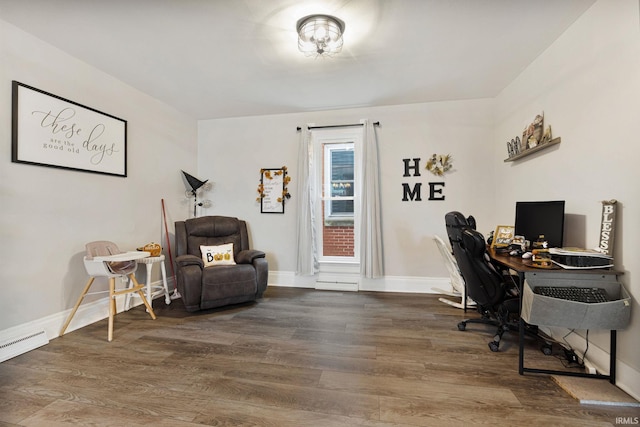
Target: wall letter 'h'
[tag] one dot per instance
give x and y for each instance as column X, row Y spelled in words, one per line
column 415, row 167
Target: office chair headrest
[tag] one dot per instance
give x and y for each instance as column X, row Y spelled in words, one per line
column 471, row 221
column 473, row 242
column 454, row 218
column 456, row 222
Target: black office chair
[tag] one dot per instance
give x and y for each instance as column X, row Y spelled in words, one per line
column 492, row 291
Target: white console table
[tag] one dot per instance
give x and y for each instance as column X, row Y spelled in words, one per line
column 152, row 291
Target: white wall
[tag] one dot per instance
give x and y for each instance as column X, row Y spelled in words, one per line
column 232, row 151
column 47, row 215
column 587, row 83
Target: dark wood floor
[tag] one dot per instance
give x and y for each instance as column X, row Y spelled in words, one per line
column 296, row 358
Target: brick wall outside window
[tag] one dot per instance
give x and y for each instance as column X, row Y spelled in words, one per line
column 338, row 240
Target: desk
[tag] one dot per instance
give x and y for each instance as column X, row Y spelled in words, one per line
column 523, row 267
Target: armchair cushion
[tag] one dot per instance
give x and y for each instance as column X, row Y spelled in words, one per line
column 217, row 255
column 228, row 281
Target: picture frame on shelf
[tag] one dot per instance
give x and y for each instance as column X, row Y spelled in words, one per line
column 532, row 133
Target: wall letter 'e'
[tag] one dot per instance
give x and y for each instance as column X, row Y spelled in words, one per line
column 433, row 190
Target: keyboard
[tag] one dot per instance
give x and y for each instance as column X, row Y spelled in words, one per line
column 572, row 293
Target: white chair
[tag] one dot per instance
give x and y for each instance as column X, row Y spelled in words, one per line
column 458, row 287
column 104, row 259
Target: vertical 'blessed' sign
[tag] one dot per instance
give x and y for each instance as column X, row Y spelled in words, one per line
column 48, row 130
column 607, row 227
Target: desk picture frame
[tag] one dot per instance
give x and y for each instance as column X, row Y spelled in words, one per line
column 503, row 236
column 48, row 130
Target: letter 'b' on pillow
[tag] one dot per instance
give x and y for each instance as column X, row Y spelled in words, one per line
column 217, row 255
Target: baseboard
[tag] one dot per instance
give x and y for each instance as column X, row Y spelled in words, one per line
column 337, row 286
column 27, row 341
column 289, row 279
column 87, row 314
column 404, row 284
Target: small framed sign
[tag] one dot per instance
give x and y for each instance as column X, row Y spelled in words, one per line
column 48, row 130
column 503, row 236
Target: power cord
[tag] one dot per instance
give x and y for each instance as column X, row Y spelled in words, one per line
column 586, row 349
column 570, row 358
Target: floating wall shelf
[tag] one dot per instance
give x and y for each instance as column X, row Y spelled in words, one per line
column 529, row 151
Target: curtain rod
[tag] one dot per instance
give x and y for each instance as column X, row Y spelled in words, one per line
column 336, row 126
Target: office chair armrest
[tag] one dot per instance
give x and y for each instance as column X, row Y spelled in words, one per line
column 248, row 255
column 185, row 260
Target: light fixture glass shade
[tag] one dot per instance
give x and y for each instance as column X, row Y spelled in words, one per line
column 320, row 35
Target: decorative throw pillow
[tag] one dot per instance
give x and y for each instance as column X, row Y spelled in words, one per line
column 217, row 255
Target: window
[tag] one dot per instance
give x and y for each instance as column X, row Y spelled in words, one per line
column 339, row 182
column 337, row 154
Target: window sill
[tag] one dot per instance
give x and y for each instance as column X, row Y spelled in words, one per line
column 338, row 222
column 339, row 264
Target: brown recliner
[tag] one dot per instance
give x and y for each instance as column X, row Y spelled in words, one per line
column 218, row 285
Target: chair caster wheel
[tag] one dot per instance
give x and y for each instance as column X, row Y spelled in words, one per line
column 546, row 349
column 493, row 346
column 462, row 326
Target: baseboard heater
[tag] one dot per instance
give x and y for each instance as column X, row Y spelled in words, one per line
column 16, row 346
column 337, row 282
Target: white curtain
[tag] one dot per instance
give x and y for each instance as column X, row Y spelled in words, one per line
column 307, row 258
column 371, row 265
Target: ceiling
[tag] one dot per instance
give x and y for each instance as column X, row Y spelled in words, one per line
column 230, row 58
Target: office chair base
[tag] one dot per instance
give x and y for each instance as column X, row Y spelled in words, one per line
column 494, row 345
column 531, row 330
column 470, row 303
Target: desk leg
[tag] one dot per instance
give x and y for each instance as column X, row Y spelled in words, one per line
column 612, row 357
column 520, row 325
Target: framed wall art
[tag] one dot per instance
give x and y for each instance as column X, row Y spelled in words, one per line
column 48, row 130
column 272, row 190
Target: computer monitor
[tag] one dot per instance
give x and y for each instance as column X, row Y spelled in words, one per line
column 541, row 218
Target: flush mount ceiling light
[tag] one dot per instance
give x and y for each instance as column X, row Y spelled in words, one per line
column 320, row 35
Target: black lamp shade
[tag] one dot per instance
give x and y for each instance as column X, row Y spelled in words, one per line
column 194, row 182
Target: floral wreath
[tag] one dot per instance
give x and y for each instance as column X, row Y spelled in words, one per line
column 269, row 175
column 439, row 164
